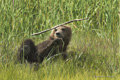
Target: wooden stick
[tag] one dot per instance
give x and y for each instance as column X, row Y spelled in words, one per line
column 58, row 26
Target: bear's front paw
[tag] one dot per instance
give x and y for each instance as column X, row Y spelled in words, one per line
column 58, row 41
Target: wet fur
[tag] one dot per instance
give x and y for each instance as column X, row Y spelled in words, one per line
column 36, row 53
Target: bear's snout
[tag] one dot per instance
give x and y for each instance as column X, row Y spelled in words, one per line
column 58, row 34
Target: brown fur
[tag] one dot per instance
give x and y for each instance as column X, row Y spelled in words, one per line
column 58, row 41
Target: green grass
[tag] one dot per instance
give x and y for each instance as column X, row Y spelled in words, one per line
column 94, row 52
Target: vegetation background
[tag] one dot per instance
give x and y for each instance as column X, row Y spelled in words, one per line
column 94, row 52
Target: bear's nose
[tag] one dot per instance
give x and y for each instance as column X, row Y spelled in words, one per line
column 58, row 34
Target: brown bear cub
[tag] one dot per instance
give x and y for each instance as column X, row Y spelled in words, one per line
column 57, row 42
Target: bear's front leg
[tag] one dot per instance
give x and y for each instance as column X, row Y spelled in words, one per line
column 57, row 41
column 47, row 47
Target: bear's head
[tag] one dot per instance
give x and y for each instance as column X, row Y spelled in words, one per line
column 63, row 32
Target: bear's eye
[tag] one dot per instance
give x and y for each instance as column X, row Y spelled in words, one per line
column 55, row 29
column 63, row 29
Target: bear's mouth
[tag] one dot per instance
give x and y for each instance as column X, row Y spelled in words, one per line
column 59, row 36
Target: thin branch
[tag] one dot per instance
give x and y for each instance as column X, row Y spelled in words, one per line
column 58, row 26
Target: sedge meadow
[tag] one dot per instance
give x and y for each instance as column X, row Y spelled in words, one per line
column 94, row 50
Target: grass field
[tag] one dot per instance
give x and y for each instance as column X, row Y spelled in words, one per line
column 94, row 52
